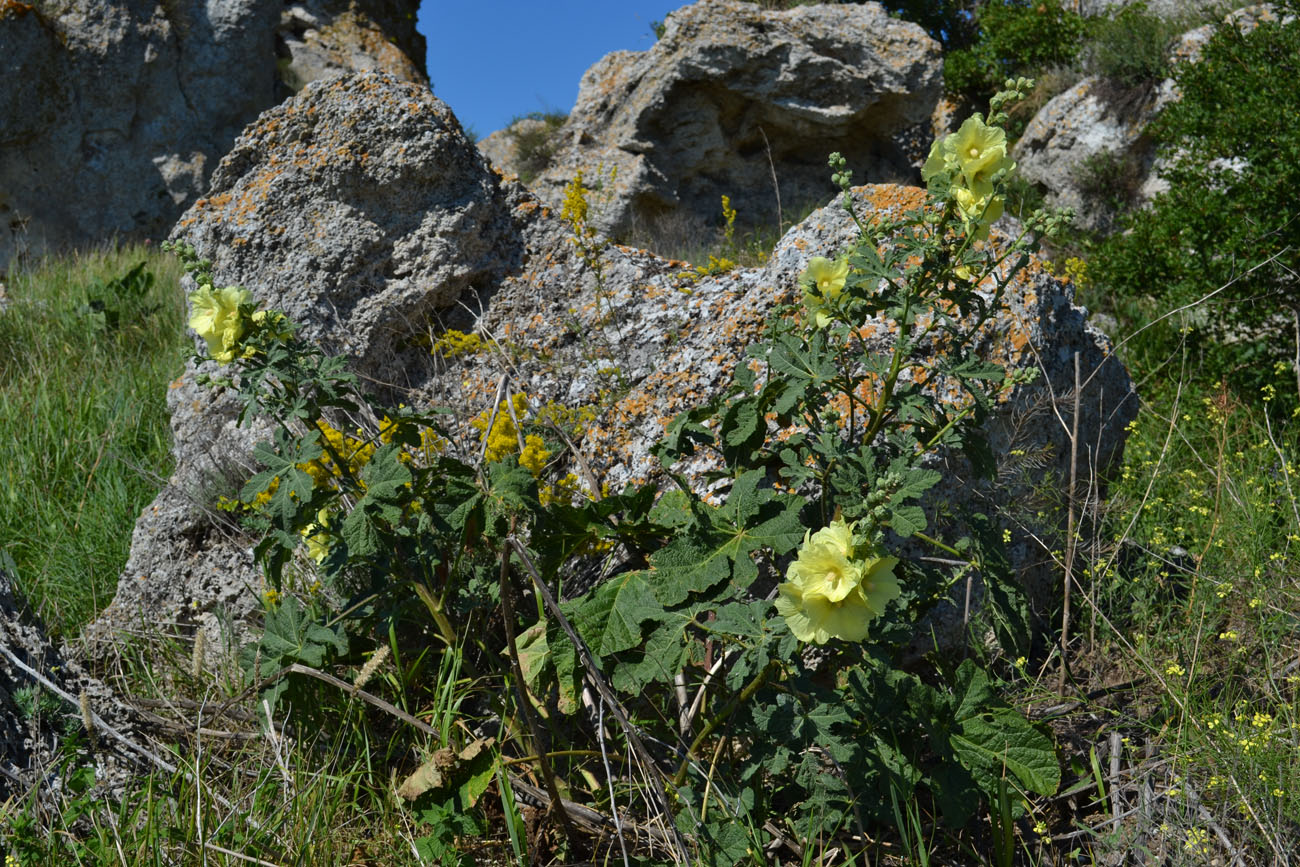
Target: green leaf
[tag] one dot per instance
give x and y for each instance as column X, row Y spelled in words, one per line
column 659, row 657
column 534, row 652
column 292, row 636
column 610, row 619
column 907, row 520
column 386, row 479
column 752, row 518
column 995, row 739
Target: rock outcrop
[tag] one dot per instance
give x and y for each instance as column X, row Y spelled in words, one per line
column 380, row 232
column 1088, row 147
column 120, row 109
column 733, row 99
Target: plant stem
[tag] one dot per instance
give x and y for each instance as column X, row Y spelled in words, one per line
column 521, row 690
column 745, row 695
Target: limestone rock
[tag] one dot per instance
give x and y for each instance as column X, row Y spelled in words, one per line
column 127, row 105
column 1078, row 137
column 358, row 229
column 732, row 94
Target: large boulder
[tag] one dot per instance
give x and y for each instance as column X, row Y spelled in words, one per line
column 734, row 99
column 126, row 106
column 332, row 224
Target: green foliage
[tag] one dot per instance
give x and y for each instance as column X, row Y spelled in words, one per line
column 951, row 22
column 1130, row 47
column 1014, row 38
column 1232, row 161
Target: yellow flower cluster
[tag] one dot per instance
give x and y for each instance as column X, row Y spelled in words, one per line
column 503, row 438
column 729, row 216
column 969, row 159
column 356, row 452
column 452, row 344
column 574, row 208
column 823, row 283
column 834, row 590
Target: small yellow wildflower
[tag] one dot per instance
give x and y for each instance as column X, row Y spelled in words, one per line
column 1173, row 669
column 272, row 597
column 1197, row 842
column 452, row 344
column 574, row 208
column 833, row 590
column 535, row 454
column 503, row 438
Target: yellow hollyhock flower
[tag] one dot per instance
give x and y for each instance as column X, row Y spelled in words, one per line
column 942, row 159
column 217, row 318
column 834, row 591
column 816, row 619
column 978, row 208
column 979, row 150
column 827, row 278
column 970, row 158
column 825, row 565
column 316, row 536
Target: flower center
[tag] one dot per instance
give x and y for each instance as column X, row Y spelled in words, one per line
column 974, row 152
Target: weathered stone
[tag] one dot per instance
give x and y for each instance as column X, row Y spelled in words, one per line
column 1079, row 135
column 732, row 95
column 659, row 341
column 1161, row 8
column 127, row 105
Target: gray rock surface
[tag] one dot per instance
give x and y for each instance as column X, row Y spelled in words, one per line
column 732, row 94
column 1079, row 146
column 126, row 106
column 634, row 351
column 1162, row 8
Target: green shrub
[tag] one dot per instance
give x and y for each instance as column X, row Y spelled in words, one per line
column 1228, row 220
column 535, row 143
column 1013, row 38
column 1132, row 46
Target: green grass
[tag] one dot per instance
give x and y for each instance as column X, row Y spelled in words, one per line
column 84, row 439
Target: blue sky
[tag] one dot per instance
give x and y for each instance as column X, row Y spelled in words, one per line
column 491, row 60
